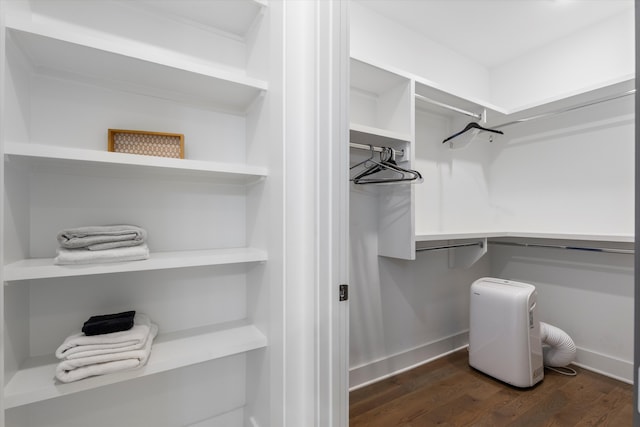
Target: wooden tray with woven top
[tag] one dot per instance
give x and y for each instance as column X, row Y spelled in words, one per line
column 159, row 144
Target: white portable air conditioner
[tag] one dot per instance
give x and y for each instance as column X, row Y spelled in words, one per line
column 504, row 332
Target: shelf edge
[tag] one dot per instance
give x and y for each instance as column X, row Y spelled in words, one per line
column 223, row 343
column 40, row 151
column 43, row 268
column 622, row 238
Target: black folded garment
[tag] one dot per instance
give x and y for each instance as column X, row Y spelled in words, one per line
column 107, row 323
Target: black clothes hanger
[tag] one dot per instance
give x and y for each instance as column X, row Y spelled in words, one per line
column 472, row 125
column 386, row 163
column 371, row 167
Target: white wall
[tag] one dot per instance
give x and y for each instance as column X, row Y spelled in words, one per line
column 401, row 312
column 187, row 396
column 454, row 196
column 382, row 41
column 600, row 54
column 589, row 295
column 573, row 173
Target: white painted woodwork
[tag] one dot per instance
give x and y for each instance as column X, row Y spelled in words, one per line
column 33, row 383
column 473, row 190
column 43, row 157
column 42, row 268
column 70, row 72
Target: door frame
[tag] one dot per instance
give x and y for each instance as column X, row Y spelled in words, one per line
column 315, row 340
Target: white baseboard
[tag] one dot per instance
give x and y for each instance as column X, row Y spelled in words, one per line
column 610, row 366
column 380, row 369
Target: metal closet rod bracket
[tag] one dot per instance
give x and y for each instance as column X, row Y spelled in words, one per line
column 477, row 116
column 396, row 152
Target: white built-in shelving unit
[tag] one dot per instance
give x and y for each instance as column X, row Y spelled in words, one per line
column 466, row 192
column 381, row 104
column 73, row 70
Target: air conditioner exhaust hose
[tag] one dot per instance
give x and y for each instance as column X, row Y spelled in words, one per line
column 560, row 349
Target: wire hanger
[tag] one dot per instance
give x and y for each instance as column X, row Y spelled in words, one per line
column 374, row 171
column 471, row 126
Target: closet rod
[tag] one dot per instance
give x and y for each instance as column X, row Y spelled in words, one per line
column 567, row 109
column 375, row 148
column 458, row 245
column 450, row 107
column 575, row 248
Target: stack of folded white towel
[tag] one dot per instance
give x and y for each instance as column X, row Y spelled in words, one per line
column 100, row 244
column 85, row 355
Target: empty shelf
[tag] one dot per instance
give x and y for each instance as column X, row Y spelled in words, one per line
column 363, row 134
column 138, row 69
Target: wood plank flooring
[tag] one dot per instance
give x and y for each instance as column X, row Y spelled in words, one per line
column 447, row 392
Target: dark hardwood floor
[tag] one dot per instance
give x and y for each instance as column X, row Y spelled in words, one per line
column 447, row 392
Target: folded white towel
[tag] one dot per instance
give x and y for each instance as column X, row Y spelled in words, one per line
column 102, row 237
column 80, row 345
column 84, row 367
column 83, row 256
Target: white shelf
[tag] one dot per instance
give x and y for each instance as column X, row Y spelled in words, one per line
column 372, row 79
column 35, row 382
column 42, row 268
column 234, row 17
column 135, row 67
column 433, row 237
column 363, row 134
column 571, row 99
column 59, row 157
column 620, row 238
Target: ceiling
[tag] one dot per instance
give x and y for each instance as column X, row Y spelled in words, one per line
column 491, row 32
